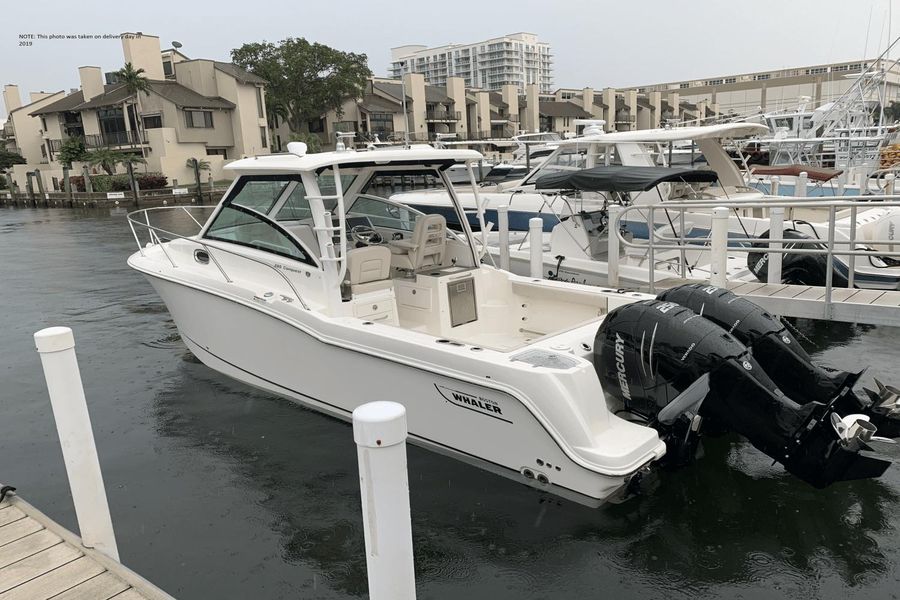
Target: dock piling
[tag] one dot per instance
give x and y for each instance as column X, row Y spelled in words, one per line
column 379, row 430
column 56, row 346
column 719, row 248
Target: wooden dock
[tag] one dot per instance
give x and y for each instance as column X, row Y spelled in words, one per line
column 40, row 560
column 850, row 305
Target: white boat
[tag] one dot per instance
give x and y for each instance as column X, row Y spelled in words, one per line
column 305, row 285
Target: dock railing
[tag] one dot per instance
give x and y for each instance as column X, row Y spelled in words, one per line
column 719, row 243
column 157, row 236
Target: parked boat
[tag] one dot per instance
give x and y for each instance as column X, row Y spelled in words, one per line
column 306, row 285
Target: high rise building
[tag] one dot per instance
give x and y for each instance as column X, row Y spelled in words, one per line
column 516, row 59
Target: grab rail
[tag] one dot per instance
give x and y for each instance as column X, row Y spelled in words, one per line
column 155, row 239
column 719, row 244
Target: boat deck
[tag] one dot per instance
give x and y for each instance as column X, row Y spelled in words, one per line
column 40, row 560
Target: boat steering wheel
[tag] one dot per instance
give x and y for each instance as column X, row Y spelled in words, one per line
column 365, row 234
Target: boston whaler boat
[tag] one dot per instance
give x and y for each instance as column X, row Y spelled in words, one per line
column 304, row 284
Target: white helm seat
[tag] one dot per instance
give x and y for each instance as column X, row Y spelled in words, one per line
column 426, row 246
column 369, row 269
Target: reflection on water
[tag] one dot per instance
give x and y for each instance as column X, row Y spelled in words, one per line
column 221, row 491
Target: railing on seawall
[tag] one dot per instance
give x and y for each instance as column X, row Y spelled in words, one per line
column 720, row 244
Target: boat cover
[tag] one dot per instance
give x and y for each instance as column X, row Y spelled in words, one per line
column 615, row 178
column 814, row 173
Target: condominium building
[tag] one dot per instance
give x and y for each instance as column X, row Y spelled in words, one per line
column 518, row 59
column 204, row 109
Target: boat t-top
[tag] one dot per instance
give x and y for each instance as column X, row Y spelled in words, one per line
column 305, row 283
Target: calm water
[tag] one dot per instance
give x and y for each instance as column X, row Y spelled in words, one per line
column 220, row 491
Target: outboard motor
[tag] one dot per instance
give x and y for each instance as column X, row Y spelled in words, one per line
column 800, row 269
column 682, row 372
column 782, row 357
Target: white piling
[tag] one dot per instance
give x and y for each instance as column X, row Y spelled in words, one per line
column 776, row 232
column 719, row 248
column 802, row 182
column 379, row 429
column 503, row 225
column 536, row 246
column 889, row 181
column 56, row 345
column 776, row 184
column 612, row 242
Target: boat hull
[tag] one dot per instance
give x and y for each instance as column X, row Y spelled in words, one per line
column 479, row 424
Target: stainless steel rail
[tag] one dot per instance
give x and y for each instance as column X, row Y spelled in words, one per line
column 720, row 245
column 154, row 232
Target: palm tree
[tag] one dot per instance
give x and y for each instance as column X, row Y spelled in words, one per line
column 136, row 84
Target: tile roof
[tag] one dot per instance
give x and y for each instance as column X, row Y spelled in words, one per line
column 172, row 91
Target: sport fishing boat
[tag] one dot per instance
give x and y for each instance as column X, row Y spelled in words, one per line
column 304, row 284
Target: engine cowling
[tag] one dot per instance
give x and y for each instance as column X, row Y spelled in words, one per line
column 667, row 363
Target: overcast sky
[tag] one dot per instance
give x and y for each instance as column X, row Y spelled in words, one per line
column 595, row 43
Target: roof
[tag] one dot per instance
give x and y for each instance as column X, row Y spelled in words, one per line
column 417, row 154
column 619, row 178
column 239, row 73
column 172, row 91
column 33, row 102
column 64, row 104
column 372, row 103
column 496, row 98
column 562, row 109
column 433, row 93
column 184, row 97
column 698, row 132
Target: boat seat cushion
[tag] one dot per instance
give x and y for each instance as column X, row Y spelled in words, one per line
column 369, row 269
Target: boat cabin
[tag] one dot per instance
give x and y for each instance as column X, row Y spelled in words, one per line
column 320, row 220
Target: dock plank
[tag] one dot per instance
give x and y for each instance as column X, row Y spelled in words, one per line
column 26, row 546
column 36, row 565
column 56, row 581
column 18, row 529
column 102, row 587
column 8, row 514
column 131, row 594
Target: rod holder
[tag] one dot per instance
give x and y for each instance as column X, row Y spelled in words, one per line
column 612, row 241
column 503, row 231
column 536, row 246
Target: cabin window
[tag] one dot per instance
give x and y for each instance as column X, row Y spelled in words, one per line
column 242, row 219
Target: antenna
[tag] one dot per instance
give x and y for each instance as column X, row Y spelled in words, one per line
column 176, row 45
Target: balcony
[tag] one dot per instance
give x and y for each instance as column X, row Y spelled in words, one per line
column 118, row 138
column 9, row 131
column 443, row 115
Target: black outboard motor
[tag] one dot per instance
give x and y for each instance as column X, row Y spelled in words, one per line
column 799, row 269
column 681, row 371
column 780, row 354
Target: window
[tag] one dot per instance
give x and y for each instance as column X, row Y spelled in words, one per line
column 262, row 137
column 217, row 152
column 259, row 102
column 730, row 79
column 167, row 68
column 242, row 219
column 762, row 77
column 684, row 85
column 382, row 123
column 198, row 118
column 316, row 125
column 153, row 122
column 43, row 123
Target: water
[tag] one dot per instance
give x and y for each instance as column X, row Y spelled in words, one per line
column 220, row 491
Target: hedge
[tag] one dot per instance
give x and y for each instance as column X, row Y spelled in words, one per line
column 120, row 183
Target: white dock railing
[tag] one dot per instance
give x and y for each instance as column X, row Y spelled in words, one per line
column 720, row 244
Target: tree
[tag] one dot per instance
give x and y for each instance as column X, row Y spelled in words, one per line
column 202, row 165
column 304, row 79
column 892, row 112
column 136, row 84
column 72, row 150
column 312, row 141
column 8, row 159
column 107, row 159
